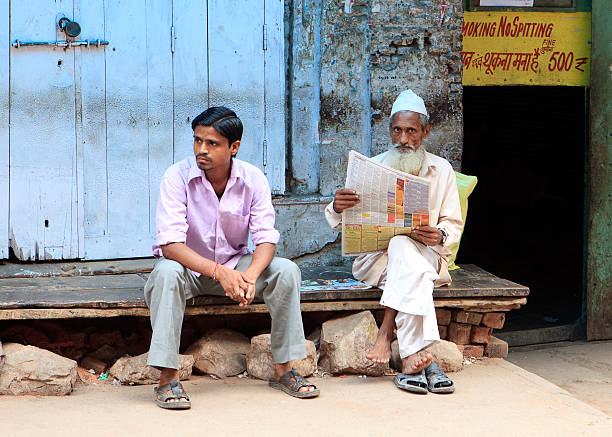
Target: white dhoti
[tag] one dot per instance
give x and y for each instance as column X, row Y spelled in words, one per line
column 412, row 270
column 409, row 270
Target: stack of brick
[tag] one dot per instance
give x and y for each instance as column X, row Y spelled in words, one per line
column 471, row 332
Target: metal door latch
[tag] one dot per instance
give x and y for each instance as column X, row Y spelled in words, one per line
column 72, row 29
column 65, row 44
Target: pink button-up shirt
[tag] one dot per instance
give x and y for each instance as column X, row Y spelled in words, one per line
column 189, row 211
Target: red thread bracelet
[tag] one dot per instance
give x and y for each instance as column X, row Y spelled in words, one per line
column 214, row 275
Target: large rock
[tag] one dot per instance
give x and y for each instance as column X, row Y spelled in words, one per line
column 134, row 370
column 220, row 352
column 345, row 343
column 106, row 354
column 31, row 370
column 260, row 364
column 395, row 361
column 445, row 353
column 91, row 363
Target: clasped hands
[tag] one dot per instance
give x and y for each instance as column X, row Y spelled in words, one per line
column 347, row 198
column 238, row 286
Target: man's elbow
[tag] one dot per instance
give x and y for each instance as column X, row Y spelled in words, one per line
column 169, row 250
column 267, row 246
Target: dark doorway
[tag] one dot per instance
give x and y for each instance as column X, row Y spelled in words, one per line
column 525, row 223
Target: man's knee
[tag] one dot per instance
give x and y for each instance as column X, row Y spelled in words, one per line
column 166, row 272
column 400, row 244
column 286, row 268
column 167, row 268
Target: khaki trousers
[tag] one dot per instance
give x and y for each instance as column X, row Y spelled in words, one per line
column 171, row 284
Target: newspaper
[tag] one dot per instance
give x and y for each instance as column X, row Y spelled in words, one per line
column 391, row 203
column 332, row 285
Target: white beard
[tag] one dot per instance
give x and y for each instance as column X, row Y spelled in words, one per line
column 409, row 161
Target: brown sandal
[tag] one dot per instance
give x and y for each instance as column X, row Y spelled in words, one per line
column 291, row 383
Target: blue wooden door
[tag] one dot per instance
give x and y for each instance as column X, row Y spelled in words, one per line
column 93, row 128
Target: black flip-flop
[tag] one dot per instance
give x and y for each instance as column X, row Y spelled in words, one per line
column 178, row 392
column 437, row 381
column 412, row 382
column 291, row 383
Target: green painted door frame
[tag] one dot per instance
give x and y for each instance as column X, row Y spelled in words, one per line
column 599, row 242
column 598, row 271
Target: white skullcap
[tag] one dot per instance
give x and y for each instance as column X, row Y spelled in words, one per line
column 409, row 101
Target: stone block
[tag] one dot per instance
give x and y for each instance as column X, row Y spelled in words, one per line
column 496, row 348
column 92, row 363
column 480, row 334
column 261, row 366
column 395, row 362
column 31, row 370
column 99, row 339
column 494, row 320
column 221, row 352
column 443, row 316
column 459, row 333
column 345, row 343
column 134, row 370
column 473, row 351
column 443, row 331
column 447, row 355
column 469, row 317
column 24, row 334
column 2, row 356
column 106, row 353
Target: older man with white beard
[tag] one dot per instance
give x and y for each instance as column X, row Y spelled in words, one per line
column 408, row 270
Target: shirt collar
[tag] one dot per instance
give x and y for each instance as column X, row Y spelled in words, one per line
column 237, row 171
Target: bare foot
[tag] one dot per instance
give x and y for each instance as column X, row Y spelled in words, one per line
column 381, row 352
column 166, row 376
column 416, row 362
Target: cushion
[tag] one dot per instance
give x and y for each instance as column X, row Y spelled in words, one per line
column 465, row 186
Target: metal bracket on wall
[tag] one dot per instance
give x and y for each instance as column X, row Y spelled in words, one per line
column 65, row 44
column 265, row 156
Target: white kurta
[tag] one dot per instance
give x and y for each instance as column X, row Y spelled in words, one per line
column 408, row 270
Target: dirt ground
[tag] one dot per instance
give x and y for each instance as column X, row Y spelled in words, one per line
column 493, row 397
column 583, row 369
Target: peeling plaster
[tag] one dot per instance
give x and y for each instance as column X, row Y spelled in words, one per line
column 347, row 68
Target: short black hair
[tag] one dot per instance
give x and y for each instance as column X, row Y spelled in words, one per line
column 224, row 120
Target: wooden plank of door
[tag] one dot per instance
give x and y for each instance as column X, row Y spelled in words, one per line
column 93, row 124
column 43, row 195
column 77, row 234
column 4, row 129
column 236, row 68
column 274, row 90
column 127, row 157
column 159, row 98
column 190, row 67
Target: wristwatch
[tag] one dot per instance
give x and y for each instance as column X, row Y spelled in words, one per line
column 443, row 240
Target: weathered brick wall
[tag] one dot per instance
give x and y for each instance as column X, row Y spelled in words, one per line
column 361, row 61
column 344, row 71
column 414, row 46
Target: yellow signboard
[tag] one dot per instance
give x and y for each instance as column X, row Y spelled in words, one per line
column 526, row 48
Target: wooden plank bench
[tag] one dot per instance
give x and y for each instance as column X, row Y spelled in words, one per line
column 114, row 295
